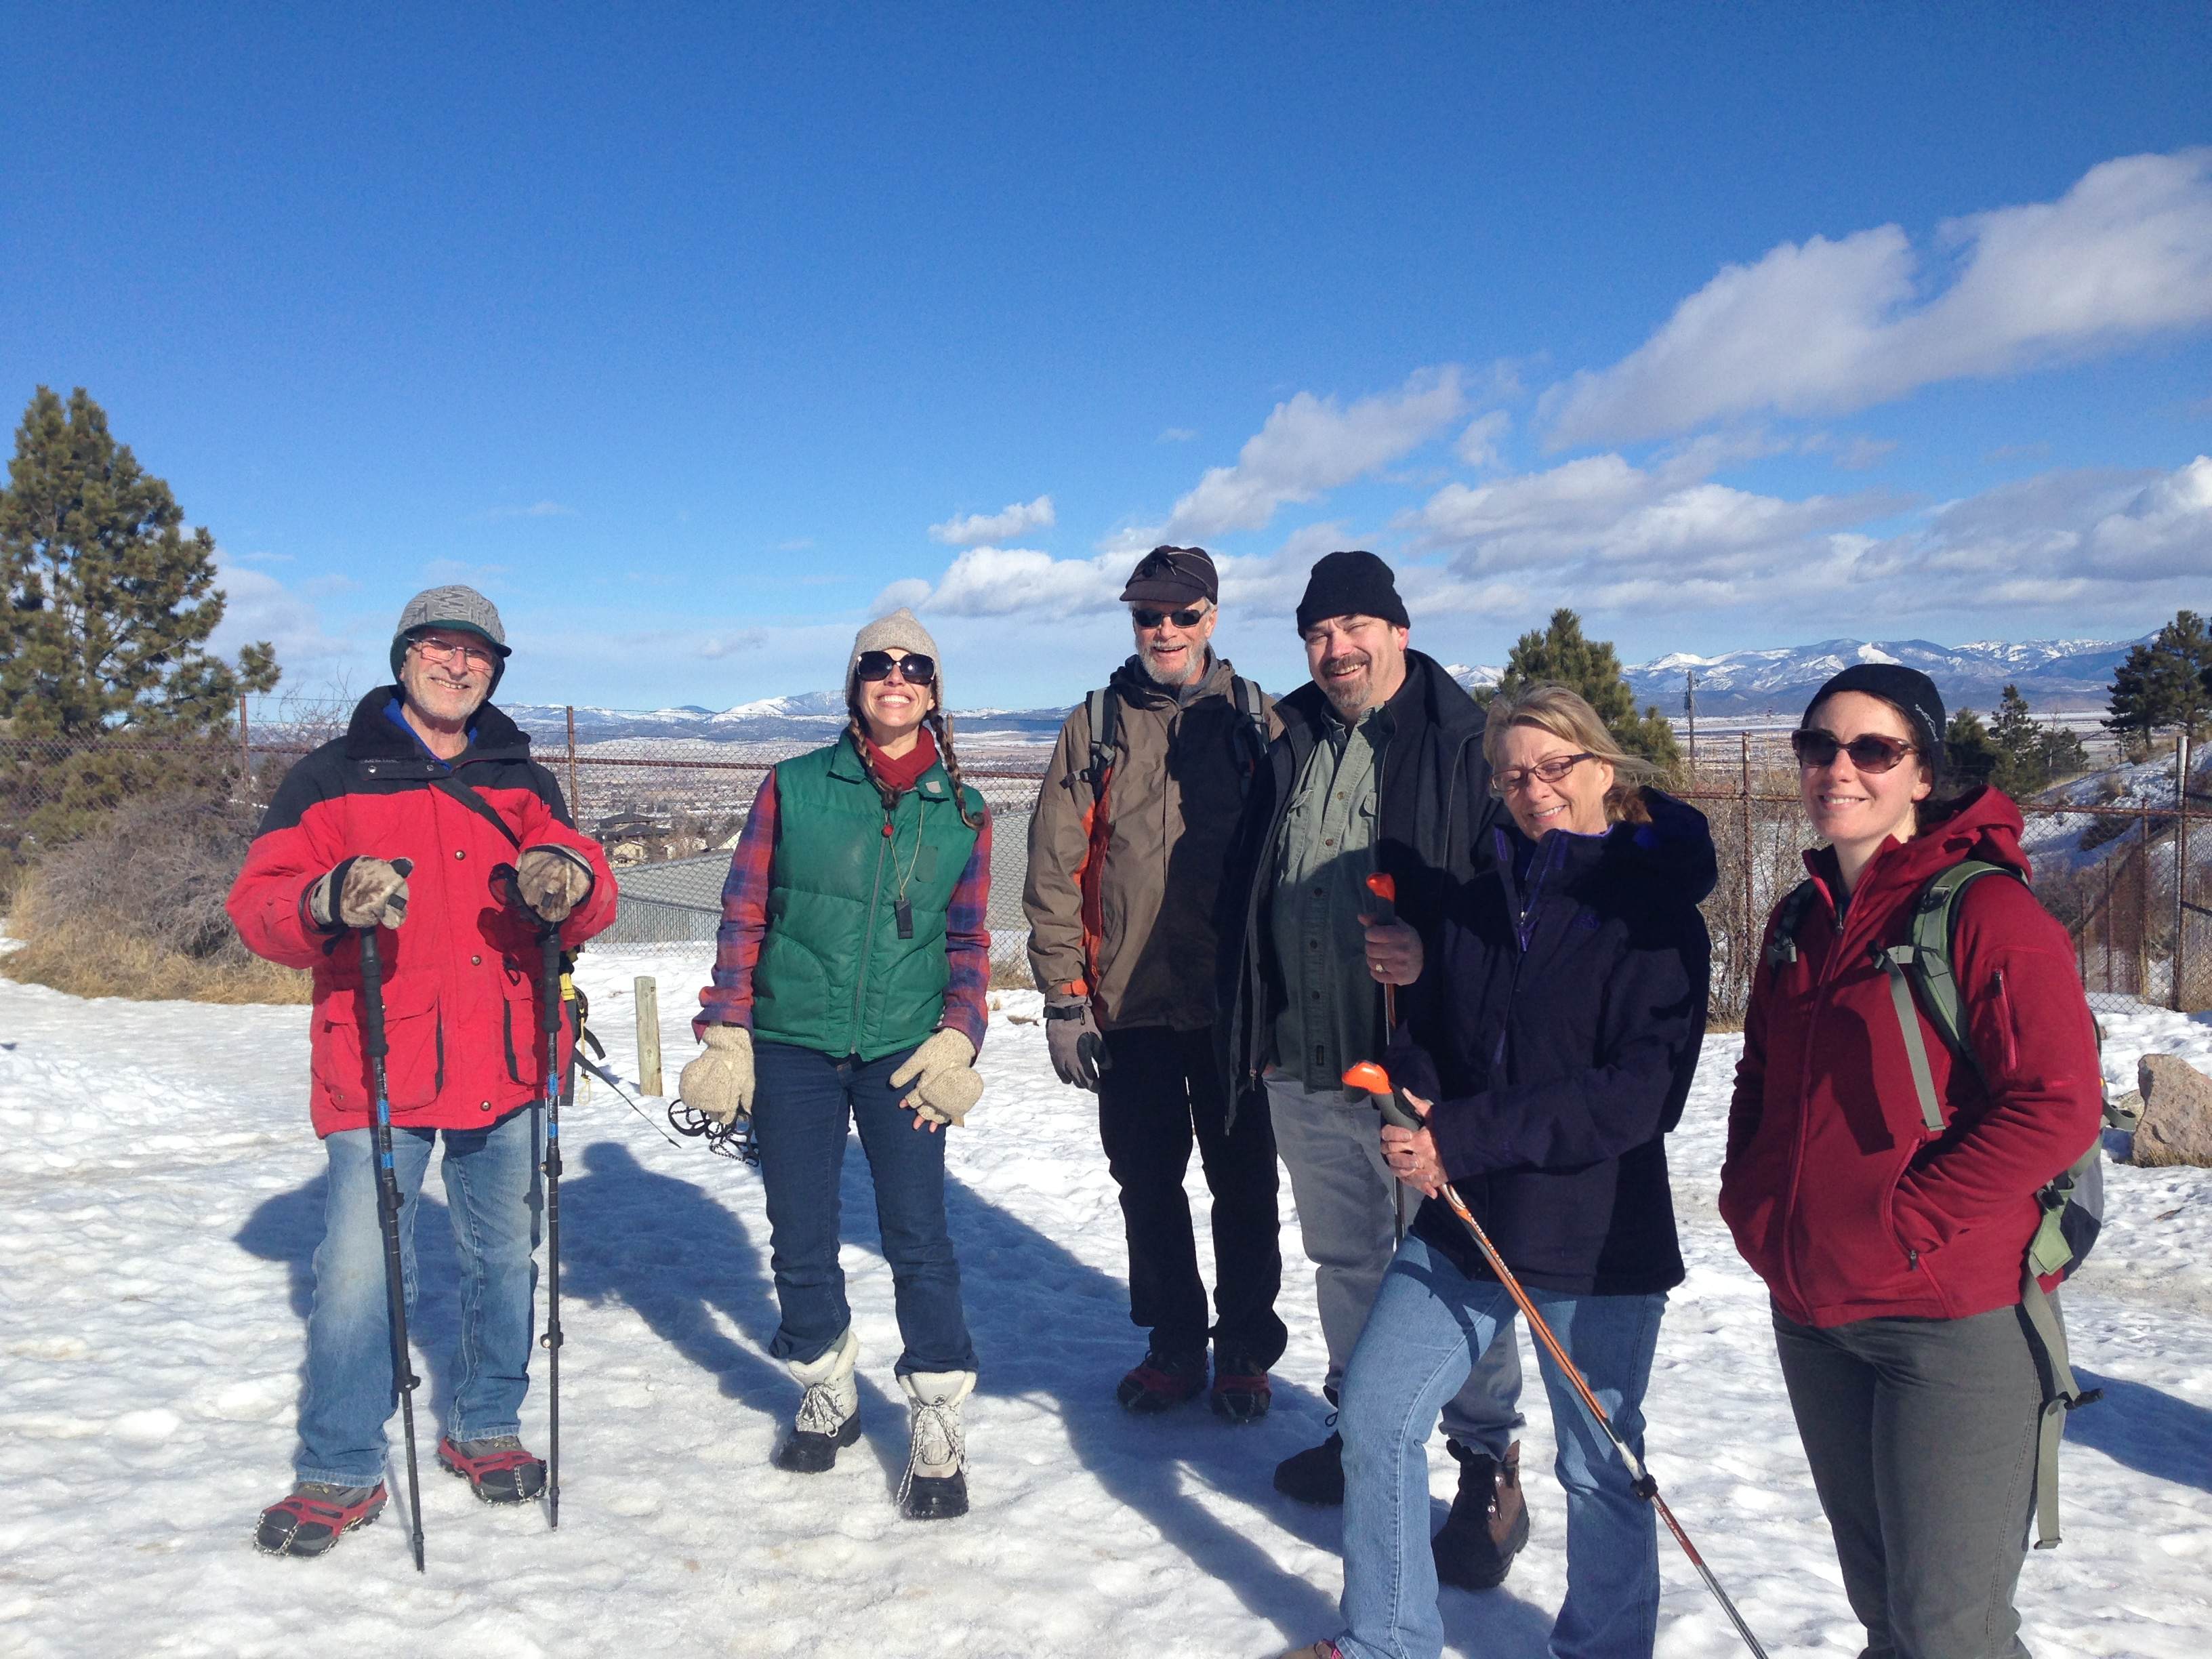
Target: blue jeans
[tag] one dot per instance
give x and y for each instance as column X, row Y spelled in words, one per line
column 494, row 1198
column 1429, row 1323
column 803, row 1102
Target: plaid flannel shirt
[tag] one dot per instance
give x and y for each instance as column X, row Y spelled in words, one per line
column 728, row 1001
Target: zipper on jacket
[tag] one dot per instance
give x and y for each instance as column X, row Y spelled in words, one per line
column 1818, row 1001
column 867, row 941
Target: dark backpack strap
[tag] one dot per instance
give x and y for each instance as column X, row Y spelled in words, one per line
column 1098, row 707
column 1253, row 728
column 1788, row 916
column 451, row 784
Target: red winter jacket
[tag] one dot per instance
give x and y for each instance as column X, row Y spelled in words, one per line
column 461, row 973
column 1834, row 1192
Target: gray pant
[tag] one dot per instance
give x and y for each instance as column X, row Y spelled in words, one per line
column 1921, row 1433
column 1346, row 1195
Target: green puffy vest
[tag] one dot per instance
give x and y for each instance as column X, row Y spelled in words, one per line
column 834, row 976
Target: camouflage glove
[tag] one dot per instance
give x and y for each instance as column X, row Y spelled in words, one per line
column 360, row 893
column 552, row 881
column 946, row 1084
column 1071, row 1033
column 719, row 1082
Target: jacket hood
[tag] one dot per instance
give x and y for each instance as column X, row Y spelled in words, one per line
column 1983, row 824
column 1430, row 696
column 371, row 736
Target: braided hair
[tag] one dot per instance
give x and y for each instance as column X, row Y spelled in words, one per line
column 941, row 725
column 859, row 730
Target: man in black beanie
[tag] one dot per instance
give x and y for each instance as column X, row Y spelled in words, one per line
column 1379, row 771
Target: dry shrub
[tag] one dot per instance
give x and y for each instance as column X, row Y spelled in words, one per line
column 135, row 910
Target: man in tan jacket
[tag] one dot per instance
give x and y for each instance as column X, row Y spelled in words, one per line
column 1133, row 828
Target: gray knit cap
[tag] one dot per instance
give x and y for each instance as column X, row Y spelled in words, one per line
column 454, row 606
column 899, row 631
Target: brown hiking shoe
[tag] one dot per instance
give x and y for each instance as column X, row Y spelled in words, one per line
column 1488, row 1523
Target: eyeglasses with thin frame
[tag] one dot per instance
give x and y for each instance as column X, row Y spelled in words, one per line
column 1869, row 752
column 447, row 652
column 1554, row 770
column 1146, row 619
column 914, row 668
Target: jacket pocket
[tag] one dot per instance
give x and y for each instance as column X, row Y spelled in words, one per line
column 525, row 1042
column 415, row 1051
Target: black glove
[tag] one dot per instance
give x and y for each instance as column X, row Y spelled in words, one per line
column 1078, row 1053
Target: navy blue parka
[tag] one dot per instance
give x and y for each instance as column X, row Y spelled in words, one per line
column 1557, row 1029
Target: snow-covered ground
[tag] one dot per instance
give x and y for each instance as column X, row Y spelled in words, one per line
column 159, row 1197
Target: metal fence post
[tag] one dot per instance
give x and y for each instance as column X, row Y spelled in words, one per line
column 1750, row 934
column 2180, row 869
column 245, row 755
column 575, row 795
column 2142, row 908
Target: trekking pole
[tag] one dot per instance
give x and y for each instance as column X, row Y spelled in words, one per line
column 1384, row 888
column 1376, row 1083
column 403, row 1379
column 548, row 1021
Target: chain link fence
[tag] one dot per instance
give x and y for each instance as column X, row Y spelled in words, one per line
column 2127, row 869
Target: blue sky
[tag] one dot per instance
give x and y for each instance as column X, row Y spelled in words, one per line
column 693, row 335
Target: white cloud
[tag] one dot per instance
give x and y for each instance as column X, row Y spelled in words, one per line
column 535, row 510
column 1016, row 518
column 1828, row 326
column 1176, row 434
column 258, row 606
column 1310, row 445
column 1478, row 445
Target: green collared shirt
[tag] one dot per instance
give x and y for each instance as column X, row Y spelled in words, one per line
column 1324, row 854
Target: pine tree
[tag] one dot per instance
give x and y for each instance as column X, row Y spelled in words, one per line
column 106, row 607
column 1562, row 654
column 2166, row 684
column 2019, row 769
column 108, row 603
column 1967, row 748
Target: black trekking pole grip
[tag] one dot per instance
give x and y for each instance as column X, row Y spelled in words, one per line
column 549, row 999
column 372, row 1005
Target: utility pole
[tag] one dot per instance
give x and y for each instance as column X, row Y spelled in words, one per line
column 1690, row 707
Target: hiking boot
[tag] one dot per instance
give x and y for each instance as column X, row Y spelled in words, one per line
column 828, row 1411
column 1314, row 1475
column 1241, row 1390
column 936, row 1484
column 498, row 1469
column 1488, row 1523
column 315, row 1517
column 1161, row 1381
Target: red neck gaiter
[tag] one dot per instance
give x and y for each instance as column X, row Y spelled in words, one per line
column 906, row 771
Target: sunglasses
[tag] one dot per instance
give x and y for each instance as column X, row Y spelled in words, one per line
column 877, row 665
column 1553, row 770
column 1190, row 616
column 1870, row 753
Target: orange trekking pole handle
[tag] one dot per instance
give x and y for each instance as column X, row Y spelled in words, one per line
column 1385, row 911
column 1375, row 1082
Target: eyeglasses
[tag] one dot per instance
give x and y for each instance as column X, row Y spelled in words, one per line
column 1552, row 770
column 1190, row 616
column 1869, row 753
column 917, row 669
column 450, row 651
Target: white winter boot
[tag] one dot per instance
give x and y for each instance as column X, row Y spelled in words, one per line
column 828, row 1411
column 935, row 1488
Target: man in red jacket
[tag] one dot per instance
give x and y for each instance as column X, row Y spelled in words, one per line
column 428, row 822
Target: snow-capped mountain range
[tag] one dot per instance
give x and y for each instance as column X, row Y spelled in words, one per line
column 2052, row 674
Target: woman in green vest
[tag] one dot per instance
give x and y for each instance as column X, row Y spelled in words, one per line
column 850, row 972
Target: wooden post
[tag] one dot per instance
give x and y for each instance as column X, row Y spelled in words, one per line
column 575, row 795
column 245, row 755
column 648, row 1035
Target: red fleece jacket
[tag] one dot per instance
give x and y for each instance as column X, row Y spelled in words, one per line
column 1834, row 1191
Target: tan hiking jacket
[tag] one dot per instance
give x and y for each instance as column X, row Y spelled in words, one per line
column 1172, row 801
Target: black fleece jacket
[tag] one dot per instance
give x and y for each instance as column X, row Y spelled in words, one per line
column 1556, row 1031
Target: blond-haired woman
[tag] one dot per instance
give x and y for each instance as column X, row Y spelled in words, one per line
column 1556, row 1033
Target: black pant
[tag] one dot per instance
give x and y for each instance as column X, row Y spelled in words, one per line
column 1161, row 1087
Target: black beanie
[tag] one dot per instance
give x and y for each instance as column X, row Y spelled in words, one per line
column 1907, row 690
column 1355, row 584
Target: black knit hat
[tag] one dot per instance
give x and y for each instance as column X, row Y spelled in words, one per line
column 1354, row 584
column 1907, row 690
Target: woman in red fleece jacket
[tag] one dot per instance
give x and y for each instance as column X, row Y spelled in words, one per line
column 1894, row 1256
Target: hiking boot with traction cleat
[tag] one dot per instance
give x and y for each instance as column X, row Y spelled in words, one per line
column 1314, row 1475
column 828, row 1411
column 1242, row 1392
column 1161, row 1382
column 1488, row 1523
column 311, row 1521
column 499, row 1470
